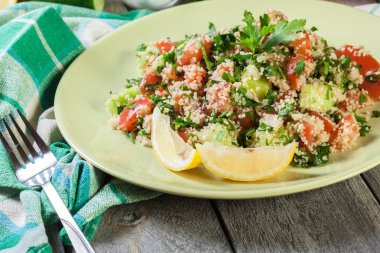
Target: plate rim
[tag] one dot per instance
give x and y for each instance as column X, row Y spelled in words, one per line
column 301, row 186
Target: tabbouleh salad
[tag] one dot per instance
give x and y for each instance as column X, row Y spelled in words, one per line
column 267, row 81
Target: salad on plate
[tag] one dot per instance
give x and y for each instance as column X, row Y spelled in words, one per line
column 249, row 100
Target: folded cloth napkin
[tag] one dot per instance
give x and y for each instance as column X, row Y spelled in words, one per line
column 37, row 43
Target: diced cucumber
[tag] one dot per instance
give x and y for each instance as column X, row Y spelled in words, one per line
column 257, row 89
column 217, row 133
column 272, row 137
column 316, row 97
column 144, row 56
column 122, row 99
column 158, row 64
column 256, row 86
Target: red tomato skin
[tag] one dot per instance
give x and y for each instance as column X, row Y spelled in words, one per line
column 127, row 120
column 372, row 88
column 150, row 77
column 308, row 133
column 329, row 125
column 165, row 46
column 128, row 117
column 368, row 63
column 193, row 53
column 183, row 134
column 302, row 46
column 143, row 106
column 291, row 73
column 351, row 121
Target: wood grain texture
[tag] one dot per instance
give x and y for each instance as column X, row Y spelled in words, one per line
column 165, row 224
column 344, row 217
column 372, row 178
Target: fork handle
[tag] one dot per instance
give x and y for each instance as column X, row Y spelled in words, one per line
column 77, row 238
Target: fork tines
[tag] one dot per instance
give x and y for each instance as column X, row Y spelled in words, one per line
column 24, row 157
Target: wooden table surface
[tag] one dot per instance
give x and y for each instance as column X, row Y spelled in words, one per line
column 344, row 217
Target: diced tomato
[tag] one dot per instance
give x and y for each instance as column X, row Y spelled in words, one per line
column 367, row 62
column 351, row 102
column 302, row 46
column 307, row 134
column 349, row 132
column 291, row 73
column 183, row 134
column 127, row 120
column 128, row 117
column 284, row 95
column 143, row 106
column 219, row 97
column 372, row 88
column 329, row 125
column 195, row 73
column 193, row 53
column 165, row 46
column 221, row 69
column 169, row 74
column 150, row 78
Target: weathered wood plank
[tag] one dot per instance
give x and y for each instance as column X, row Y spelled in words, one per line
column 343, row 217
column 372, row 178
column 165, row 224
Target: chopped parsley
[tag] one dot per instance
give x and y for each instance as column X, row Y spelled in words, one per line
column 364, row 128
column 362, row 98
column 141, row 47
column 300, row 67
column 207, row 60
column 375, row 114
column 372, row 78
column 211, row 29
column 286, row 110
column 344, row 62
column 317, row 158
column 169, row 57
column 314, row 29
column 264, row 127
column 228, row 77
column 284, row 32
column 184, row 122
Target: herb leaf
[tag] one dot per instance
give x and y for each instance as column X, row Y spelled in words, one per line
column 372, row 78
column 364, row 128
column 207, row 60
column 300, row 66
column 284, row 32
column 286, row 110
column 169, row 57
column 307, row 160
column 211, row 29
column 375, row 114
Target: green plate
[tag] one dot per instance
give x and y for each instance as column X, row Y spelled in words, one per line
column 83, row 119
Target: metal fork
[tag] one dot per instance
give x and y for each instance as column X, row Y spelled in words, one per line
column 37, row 169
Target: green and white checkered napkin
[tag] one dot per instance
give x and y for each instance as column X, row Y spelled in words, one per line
column 37, row 43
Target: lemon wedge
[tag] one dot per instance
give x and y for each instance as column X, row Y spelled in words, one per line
column 6, row 3
column 245, row 164
column 173, row 152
